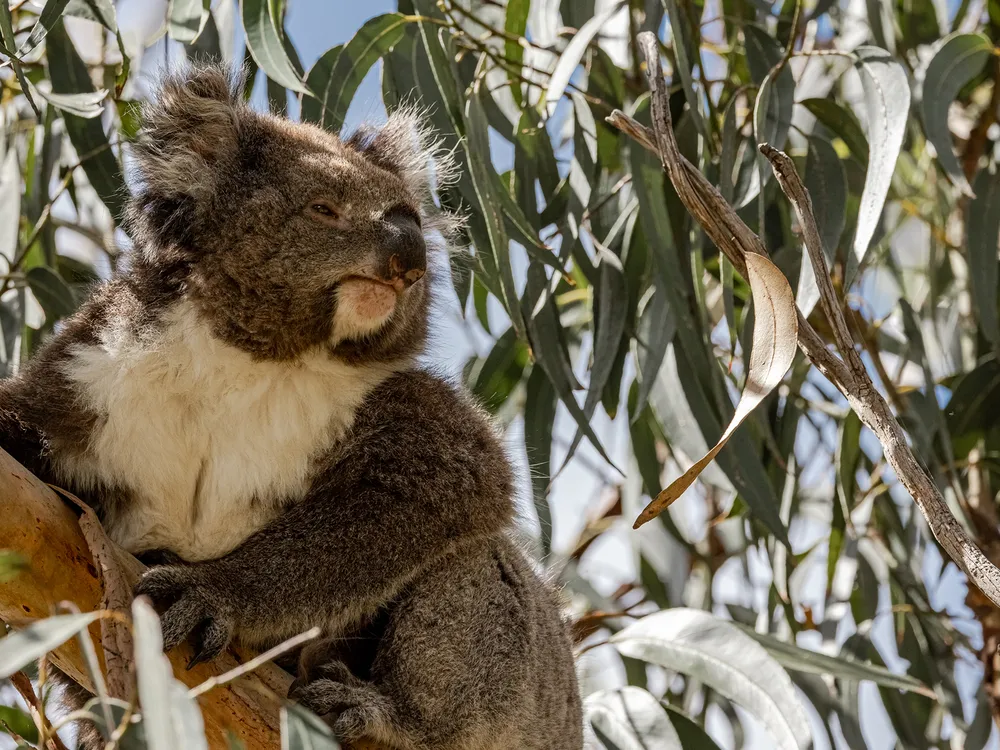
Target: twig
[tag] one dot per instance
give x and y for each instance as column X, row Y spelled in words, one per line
column 251, row 665
column 23, row 686
column 734, row 238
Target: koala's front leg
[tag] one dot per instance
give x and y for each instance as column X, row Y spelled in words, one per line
column 192, row 600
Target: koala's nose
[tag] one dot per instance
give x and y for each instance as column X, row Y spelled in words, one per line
column 405, row 251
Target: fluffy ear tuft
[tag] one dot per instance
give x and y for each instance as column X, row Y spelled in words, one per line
column 406, row 145
column 190, row 126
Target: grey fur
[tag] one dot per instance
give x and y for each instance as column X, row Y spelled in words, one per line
column 438, row 634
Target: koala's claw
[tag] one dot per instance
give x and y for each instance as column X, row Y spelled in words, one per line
column 355, row 707
column 187, row 609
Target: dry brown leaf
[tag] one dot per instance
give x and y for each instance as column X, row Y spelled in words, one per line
column 775, row 338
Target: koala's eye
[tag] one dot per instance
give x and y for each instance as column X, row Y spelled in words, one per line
column 322, row 209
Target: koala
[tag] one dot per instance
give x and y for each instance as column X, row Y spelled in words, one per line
column 243, row 400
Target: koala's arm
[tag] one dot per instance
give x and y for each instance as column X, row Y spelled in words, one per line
column 422, row 472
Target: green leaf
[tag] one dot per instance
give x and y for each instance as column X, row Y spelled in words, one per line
column 515, row 23
column 657, row 326
column 887, row 103
column 692, row 736
column 187, row 18
column 19, row 722
column 500, row 372
column 983, row 233
column 22, row 647
column 266, row 45
column 170, row 716
column 826, row 182
column 632, row 719
column 723, row 657
column 570, row 58
column 539, row 420
column 48, row 18
column 98, row 11
column 845, row 666
column 880, row 20
column 975, row 399
column 334, row 80
column 86, row 105
column 10, row 205
column 687, row 53
column 959, row 58
column 9, row 44
column 69, row 76
column 301, row 730
column 842, row 123
column 52, row 293
column 772, row 114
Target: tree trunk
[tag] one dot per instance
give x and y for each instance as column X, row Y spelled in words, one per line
column 43, row 529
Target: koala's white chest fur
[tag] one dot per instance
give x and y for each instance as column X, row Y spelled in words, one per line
column 209, row 443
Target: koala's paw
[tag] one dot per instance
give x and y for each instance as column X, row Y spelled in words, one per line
column 188, row 607
column 354, row 708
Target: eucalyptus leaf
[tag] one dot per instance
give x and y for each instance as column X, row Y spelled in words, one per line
column 842, row 123
column 958, row 58
column 170, row 716
column 22, row 647
column 302, row 730
column 826, row 182
column 570, row 58
column 336, row 76
column 983, row 235
column 632, row 719
column 887, row 104
column 717, row 653
column 265, row 43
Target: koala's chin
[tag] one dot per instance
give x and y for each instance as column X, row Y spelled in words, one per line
column 364, row 307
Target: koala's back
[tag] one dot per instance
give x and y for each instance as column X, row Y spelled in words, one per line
column 478, row 641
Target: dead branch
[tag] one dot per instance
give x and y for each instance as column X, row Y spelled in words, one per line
column 734, row 238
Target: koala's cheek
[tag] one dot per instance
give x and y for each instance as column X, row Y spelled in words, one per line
column 363, row 306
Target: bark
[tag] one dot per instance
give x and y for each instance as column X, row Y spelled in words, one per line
column 46, row 531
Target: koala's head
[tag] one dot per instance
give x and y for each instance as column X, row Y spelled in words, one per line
column 284, row 236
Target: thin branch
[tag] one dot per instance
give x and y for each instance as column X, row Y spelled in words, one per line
column 733, row 237
column 866, row 400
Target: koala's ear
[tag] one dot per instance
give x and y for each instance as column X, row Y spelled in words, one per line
column 407, row 147
column 191, row 128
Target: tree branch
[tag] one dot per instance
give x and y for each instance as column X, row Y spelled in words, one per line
column 44, row 530
column 734, row 238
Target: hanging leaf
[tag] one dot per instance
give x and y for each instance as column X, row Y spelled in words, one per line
column 846, row 666
column 170, row 716
column 10, row 44
column 49, row 17
column 515, row 25
column 335, row 78
column 983, row 229
column 69, row 76
column 10, row 206
column 22, row 647
column 718, row 654
column 187, row 18
column 775, row 337
column 301, row 730
column 632, row 719
column 842, row 123
column 687, row 52
column 657, row 325
column 570, row 58
column 826, row 182
column 887, row 104
column 52, row 293
column 959, row 58
column 265, row 43
column 86, row 105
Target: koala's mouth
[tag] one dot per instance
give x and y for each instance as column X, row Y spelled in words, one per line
column 365, row 298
